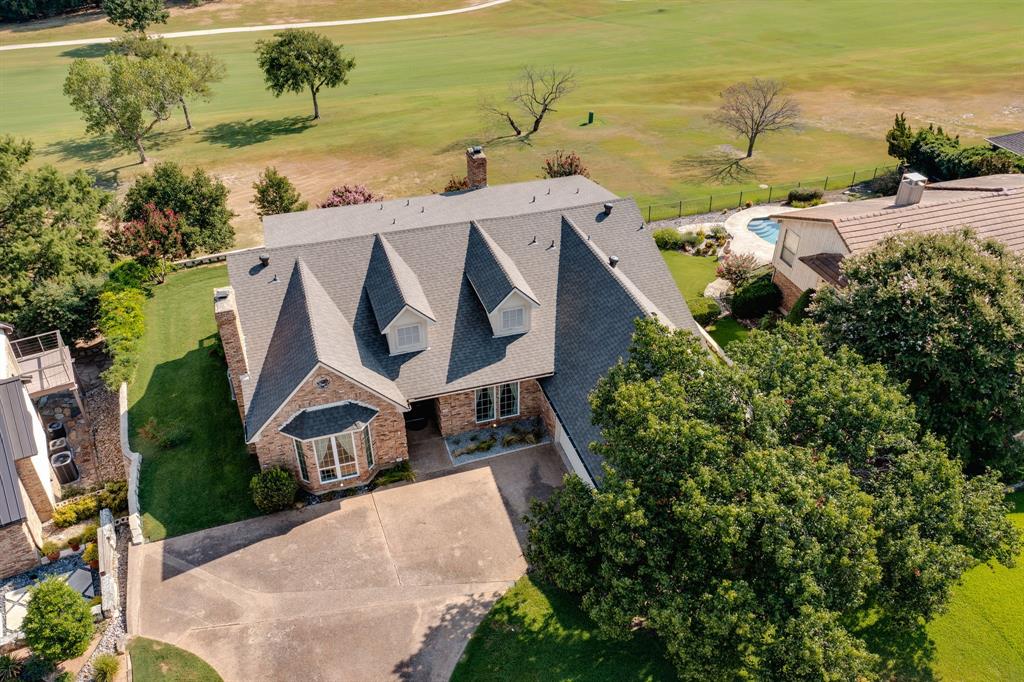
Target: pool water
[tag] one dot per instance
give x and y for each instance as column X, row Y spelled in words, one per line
column 765, row 228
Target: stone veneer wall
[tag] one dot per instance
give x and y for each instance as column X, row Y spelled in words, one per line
column 34, row 488
column 225, row 312
column 387, row 432
column 17, row 551
column 790, row 291
column 456, row 412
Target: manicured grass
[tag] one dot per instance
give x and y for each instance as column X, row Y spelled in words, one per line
column 154, row 661
column 203, row 480
column 725, row 330
column 536, row 632
column 692, row 273
column 650, row 71
column 981, row 637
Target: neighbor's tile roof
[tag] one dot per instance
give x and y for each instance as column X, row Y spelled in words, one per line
column 462, row 353
column 826, row 266
column 317, row 422
column 535, row 196
column 393, row 285
column 993, row 207
column 1013, row 142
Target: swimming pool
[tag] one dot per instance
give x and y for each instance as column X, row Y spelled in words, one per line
column 765, row 228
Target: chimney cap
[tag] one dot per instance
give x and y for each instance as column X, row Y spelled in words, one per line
column 613, row 261
column 264, row 258
column 475, row 150
column 914, row 177
column 608, row 208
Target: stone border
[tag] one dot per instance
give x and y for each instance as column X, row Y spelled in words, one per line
column 134, row 465
column 106, row 544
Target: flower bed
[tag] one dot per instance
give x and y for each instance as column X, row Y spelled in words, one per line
column 490, row 442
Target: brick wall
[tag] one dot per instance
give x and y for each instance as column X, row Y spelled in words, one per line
column 387, row 432
column 17, row 551
column 34, row 488
column 456, row 412
column 224, row 311
column 790, row 291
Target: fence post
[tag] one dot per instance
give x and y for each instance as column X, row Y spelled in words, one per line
column 741, row 200
column 680, row 209
column 826, row 184
column 711, row 198
column 854, row 180
column 875, row 173
column 770, row 188
column 648, row 213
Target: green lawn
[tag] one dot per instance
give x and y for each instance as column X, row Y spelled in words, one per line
column 725, row 330
column 202, row 481
column 154, row 661
column 650, row 70
column 691, row 273
column 536, row 632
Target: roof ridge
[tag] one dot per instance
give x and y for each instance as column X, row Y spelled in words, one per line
column 303, row 272
column 644, row 304
column 936, row 205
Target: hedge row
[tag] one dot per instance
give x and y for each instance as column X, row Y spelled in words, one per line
column 22, row 10
column 122, row 322
column 755, row 298
column 113, row 496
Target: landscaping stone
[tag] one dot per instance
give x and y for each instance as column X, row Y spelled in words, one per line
column 80, row 580
column 521, row 431
column 14, row 617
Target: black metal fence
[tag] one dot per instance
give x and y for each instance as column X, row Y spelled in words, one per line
column 761, row 195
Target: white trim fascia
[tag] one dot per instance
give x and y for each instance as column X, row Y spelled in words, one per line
column 337, row 403
column 515, row 290
column 425, row 318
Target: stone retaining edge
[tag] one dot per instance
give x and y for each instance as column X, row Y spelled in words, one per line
column 134, row 464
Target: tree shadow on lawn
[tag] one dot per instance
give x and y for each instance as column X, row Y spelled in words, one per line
column 92, row 51
column 906, row 650
column 720, row 167
column 249, row 132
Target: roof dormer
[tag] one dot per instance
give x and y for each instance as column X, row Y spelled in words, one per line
column 400, row 306
column 501, row 288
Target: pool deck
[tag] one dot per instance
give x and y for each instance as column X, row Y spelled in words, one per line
column 745, row 241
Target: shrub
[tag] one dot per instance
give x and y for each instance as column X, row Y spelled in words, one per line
column 58, row 624
column 456, row 184
column 350, row 195
column 35, row 669
column 755, row 298
column 76, row 510
column 114, row 496
column 130, row 274
column 668, row 238
column 885, row 184
column 736, row 268
column 89, row 533
column 796, row 203
column 105, row 667
column 705, row 310
column 798, row 313
column 273, row 489
column 50, row 547
column 10, row 668
column 91, row 553
column 564, row 164
column 719, row 231
column 122, row 323
column 400, row 472
column 804, row 194
column 691, row 240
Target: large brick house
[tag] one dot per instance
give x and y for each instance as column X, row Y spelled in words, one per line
column 814, row 241
column 473, row 308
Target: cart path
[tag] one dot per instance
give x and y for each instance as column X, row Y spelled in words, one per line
column 266, row 27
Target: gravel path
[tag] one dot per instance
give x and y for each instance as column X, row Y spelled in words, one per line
column 267, row 27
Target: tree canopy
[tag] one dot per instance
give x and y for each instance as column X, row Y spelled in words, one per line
column 939, row 156
column 58, row 624
column 749, row 515
column 297, row 60
column 52, row 260
column 755, row 107
column 135, row 15
column 199, row 202
column 276, row 194
column 944, row 313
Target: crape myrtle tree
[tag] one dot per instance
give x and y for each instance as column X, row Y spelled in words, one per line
column 154, row 240
column 749, row 514
column 945, row 314
column 52, row 260
column 199, row 202
column 298, row 60
column 349, row 195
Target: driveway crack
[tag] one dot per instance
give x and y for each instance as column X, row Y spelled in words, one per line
column 387, row 544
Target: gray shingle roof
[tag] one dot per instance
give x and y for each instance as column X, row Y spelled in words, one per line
column 317, row 422
column 462, row 353
column 535, row 196
column 392, row 285
column 1013, row 142
column 491, row 272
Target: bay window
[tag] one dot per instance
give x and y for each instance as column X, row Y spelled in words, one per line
column 336, row 457
column 301, row 456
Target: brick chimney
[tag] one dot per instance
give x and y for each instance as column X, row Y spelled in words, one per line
column 230, row 328
column 911, row 189
column 476, row 167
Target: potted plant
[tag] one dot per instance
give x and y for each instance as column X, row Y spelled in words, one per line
column 91, row 556
column 74, row 542
column 52, row 550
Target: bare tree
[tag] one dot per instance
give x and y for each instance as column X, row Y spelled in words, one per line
column 531, row 97
column 755, row 107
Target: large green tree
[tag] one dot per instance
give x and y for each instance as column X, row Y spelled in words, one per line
column 52, row 260
column 749, row 514
column 199, row 202
column 125, row 97
column 944, row 313
column 939, row 156
column 275, row 193
column 297, row 60
column 135, row 15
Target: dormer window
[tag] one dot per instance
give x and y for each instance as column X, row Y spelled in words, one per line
column 513, row 319
column 409, row 337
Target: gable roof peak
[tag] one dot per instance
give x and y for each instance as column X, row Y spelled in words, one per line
column 491, row 271
column 392, row 285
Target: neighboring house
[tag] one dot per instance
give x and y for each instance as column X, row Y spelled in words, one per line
column 1013, row 142
column 29, row 368
column 472, row 309
column 813, row 242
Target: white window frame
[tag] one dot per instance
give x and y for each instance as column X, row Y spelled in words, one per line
column 368, row 453
column 521, row 311
column 783, row 250
column 515, row 384
column 332, row 440
column 476, row 401
column 418, row 343
column 301, row 458
column 495, row 392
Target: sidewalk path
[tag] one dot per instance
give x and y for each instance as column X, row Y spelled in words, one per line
column 266, row 27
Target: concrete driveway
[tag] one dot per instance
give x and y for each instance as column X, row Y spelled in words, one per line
column 377, row 587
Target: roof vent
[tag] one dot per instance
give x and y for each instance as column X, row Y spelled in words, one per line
column 608, row 209
column 264, row 259
column 533, row 241
column 221, row 293
column 613, row 261
column 551, row 246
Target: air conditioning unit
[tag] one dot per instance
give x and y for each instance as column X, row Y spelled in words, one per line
column 56, row 430
column 64, row 467
column 58, row 445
